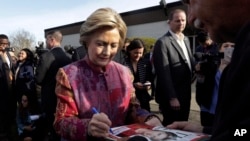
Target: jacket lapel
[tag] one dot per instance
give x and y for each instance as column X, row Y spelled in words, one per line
column 176, row 45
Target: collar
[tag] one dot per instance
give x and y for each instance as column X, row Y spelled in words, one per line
column 177, row 36
column 95, row 68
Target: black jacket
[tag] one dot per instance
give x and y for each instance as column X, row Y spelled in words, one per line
column 234, row 98
column 49, row 63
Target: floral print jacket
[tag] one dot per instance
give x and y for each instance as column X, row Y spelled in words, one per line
column 80, row 87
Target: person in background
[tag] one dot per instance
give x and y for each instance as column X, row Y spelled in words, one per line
column 206, row 44
column 141, row 70
column 98, row 82
column 149, row 56
column 126, row 44
column 78, row 53
column 7, row 98
column 121, row 54
column 173, row 62
column 24, row 75
column 233, row 100
column 48, row 65
column 208, row 105
column 207, row 59
column 27, row 127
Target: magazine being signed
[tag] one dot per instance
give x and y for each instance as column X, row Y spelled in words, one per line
column 142, row 132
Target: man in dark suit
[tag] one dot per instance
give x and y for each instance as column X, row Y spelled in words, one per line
column 173, row 64
column 47, row 68
column 7, row 98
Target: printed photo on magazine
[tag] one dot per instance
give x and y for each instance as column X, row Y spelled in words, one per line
column 142, row 132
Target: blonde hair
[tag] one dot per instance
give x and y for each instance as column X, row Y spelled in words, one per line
column 103, row 17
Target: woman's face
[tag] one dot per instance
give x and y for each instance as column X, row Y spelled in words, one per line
column 136, row 54
column 22, row 56
column 25, row 101
column 103, row 46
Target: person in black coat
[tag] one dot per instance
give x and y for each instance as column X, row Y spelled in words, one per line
column 234, row 99
column 7, row 97
column 207, row 62
column 24, row 75
column 48, row 65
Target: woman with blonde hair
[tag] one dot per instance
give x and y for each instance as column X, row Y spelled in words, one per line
column 96, row 82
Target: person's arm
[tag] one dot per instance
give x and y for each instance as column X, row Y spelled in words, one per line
column 67, row 123
column 42, row 67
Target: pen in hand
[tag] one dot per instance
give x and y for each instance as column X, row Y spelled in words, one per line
column 96, row 112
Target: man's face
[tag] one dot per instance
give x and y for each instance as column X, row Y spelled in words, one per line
column 49, row 42
column 178, row 23
column 4, row 43
column 216, row 17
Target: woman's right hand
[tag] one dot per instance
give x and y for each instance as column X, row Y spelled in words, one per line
column 99, row 125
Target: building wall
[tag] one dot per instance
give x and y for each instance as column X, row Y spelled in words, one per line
column 153, row 30
column 72, row 39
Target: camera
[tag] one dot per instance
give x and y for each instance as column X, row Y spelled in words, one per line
column 9, row 49
column 69, row 49
column 39, row 51
column 40, row 48
column 209, row 57
column 208, row 65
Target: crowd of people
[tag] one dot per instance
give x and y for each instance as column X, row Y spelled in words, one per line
column 110, row 74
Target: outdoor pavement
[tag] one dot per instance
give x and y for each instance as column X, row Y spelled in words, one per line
column 194, row 115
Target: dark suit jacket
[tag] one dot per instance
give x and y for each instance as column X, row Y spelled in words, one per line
column 48, row 66
column 4, row 89
column 172, row 71
column 7, row 97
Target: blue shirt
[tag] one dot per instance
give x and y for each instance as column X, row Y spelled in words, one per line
column 214, row 96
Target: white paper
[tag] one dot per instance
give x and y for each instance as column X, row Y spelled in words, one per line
column 34, row 117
